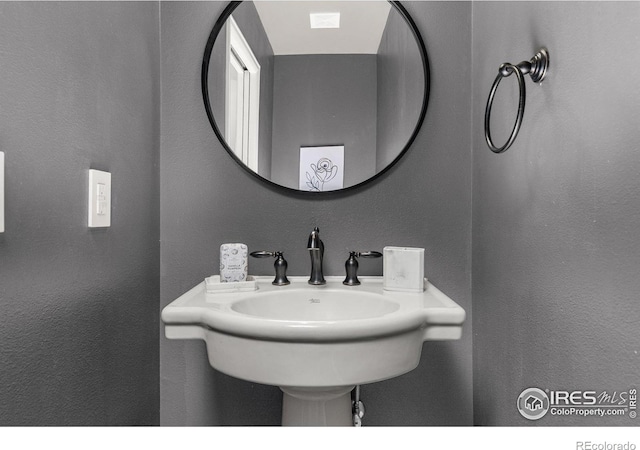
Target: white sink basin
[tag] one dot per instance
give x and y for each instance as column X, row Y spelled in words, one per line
column 315, row 305
column 315, row 342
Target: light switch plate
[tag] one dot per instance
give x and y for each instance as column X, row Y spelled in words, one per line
column 99, row 199
column 1, row 192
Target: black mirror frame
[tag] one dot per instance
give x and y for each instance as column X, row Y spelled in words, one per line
column 207, row 104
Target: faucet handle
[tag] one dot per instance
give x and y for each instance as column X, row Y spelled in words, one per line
column 262, row 254
column 280, row 265
column 368, row 254
column 351, row 266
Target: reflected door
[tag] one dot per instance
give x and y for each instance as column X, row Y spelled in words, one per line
column 242, row 98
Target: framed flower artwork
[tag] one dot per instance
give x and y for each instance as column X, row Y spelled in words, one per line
column 321, row 168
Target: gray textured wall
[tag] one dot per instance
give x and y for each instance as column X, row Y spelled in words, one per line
column 555, row 219
column 324, row 100
column 79, row 307
column 207, row 199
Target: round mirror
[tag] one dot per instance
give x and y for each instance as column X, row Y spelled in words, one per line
column 315, row 96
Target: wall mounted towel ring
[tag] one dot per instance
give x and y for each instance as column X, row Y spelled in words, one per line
column 537, row 69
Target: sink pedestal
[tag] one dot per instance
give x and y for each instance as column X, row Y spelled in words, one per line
column 309, row 407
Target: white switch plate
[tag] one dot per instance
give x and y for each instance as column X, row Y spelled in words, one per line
column 1, row 192
column 99, row 199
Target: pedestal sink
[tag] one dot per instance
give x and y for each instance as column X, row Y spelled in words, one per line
column 314, row 342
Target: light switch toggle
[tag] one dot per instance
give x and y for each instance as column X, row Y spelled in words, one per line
column 99, row 199
column 101, row 205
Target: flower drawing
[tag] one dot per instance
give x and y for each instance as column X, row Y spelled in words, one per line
column 323, row 171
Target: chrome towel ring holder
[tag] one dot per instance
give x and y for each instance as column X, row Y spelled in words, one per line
column 537, row 69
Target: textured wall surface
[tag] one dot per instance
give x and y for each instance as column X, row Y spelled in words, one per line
column 207, row 199
column 78, row 306
column 555, row 218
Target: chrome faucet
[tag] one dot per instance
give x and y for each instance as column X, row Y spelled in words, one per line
column 316, row 250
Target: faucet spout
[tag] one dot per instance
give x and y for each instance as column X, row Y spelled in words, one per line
column 316, row 251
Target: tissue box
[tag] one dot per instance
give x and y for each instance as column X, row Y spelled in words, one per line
column 403, row 269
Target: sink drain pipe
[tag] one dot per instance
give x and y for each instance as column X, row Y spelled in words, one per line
column 357, row 408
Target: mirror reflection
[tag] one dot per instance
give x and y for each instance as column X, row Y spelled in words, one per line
column 315, row 96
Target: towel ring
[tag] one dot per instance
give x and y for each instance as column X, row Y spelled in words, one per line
column 537, row 69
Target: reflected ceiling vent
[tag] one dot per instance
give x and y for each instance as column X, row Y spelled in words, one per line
column 325, row 20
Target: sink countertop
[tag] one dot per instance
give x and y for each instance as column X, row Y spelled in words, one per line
column 428, row 309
